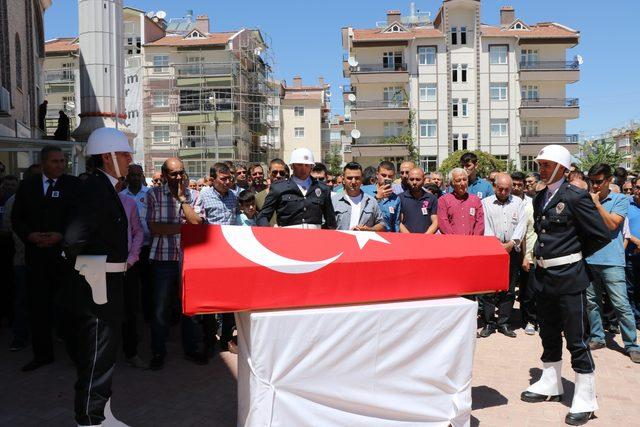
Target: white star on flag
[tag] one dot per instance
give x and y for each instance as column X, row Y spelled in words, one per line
column 364, row 236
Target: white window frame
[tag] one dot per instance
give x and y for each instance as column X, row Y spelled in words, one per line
column 298, row 132
column 529, row 127
column 391, row 129
column 298, row 111
column 455, row 107
column 463, row 35
column 160, row 64
column 464, row 107
column 499, row 127
column 161, row 134
column 428, row 128
column 429, row 163
column 529, row 56
column 498, row 54
column 530, row 92
column 498, row 91
column 427, row 55
column 160, row 98
column 464, row 73
column 428, row 92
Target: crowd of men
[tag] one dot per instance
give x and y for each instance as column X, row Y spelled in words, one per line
column 41, row 232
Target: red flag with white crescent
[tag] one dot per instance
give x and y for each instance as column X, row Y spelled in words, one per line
column 234, row 268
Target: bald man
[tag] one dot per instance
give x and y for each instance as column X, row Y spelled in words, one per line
column 418, row 208
column 504, row 218
column 403, row 185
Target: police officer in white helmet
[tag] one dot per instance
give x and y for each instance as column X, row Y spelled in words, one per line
column 569, row 229
column 300, row 201
column 96, row 243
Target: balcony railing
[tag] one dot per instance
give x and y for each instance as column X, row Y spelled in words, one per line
column 378, row 140
column 379, row 68
column 550, row 65
column 550, row 103
column 205, row 141
column 377, row 105
column 204, row 106
column 202, row 69
column 59, row 76
column 550, row 138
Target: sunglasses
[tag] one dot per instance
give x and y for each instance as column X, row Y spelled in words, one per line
column 321, row 178
column 627, row 190
column 257, row 174
column 278, row 173
column 637, row 187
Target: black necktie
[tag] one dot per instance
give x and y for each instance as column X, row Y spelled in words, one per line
column 49, row 189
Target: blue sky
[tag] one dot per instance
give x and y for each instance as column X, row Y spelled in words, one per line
column 305, row 39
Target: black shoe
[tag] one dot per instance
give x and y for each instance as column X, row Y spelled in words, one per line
column 17, row 345
column 504, row 330
column 486, row 331
column 156, row 363
column 35, row 364
column 531, row 397
column 614, row 329
column 197, row 358
column 596, row 345
column 578, row 419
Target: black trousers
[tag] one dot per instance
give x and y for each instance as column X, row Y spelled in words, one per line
column 97, row 335
column 502, row 300
column 46, row 275
column 527, row 297
column 568, row 314
column 131, row 307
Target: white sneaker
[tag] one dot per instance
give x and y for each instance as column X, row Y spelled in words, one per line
column 530, row 329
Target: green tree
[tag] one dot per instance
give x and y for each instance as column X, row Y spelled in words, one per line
column 599, row 151
column 333, row 160
column 486, row 162
column 636, row 142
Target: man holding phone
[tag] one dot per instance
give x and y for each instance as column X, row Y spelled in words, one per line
column 388, row 201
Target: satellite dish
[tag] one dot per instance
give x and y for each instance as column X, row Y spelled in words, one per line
column 578, row 59
column 161, row 14
column 351, row 97
column 151, row 14
column 355, row 134
column 352, row 62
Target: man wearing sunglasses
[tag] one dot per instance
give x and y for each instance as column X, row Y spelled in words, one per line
column 301, row 201
column 569, row 228
column 607, row 265
column 277, row 172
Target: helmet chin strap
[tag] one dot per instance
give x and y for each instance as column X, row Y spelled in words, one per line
column 115, row 164
column 553, row 175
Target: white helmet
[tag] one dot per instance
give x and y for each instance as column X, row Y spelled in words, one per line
column 557, row 154
column 302, row 156
column 107, row 140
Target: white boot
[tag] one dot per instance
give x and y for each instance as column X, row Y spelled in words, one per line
column 550, row 383
column 109, row 419
column 584, row 396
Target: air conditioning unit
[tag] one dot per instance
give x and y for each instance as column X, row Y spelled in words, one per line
column 5, row 102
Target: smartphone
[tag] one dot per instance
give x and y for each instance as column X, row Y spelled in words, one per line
column 388, row 181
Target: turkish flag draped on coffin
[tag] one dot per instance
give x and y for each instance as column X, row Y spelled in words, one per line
column 233, row 268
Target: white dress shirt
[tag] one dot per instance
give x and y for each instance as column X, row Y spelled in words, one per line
column 45, row 184
column 507, row 221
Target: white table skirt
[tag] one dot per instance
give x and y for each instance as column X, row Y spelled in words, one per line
column 388, row 364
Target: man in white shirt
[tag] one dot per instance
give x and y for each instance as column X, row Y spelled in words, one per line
column 354, row 209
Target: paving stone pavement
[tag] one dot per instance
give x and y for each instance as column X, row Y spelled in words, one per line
column 183, row 394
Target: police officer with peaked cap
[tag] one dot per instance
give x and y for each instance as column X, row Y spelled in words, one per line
column 96, row 244
column 300, row 201
column 569, row 229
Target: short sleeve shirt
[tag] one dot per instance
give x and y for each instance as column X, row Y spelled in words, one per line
column 613, row 253
column 416, row 212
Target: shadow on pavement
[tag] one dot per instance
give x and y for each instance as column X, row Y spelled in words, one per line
column 486, row 397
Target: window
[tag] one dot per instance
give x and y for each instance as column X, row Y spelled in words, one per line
column 463, row 35
column 528, row 163
column 529, row 92
column 428, row 128
column 429, row 163
column 459, row 71
column 392, row 60
column 393, row 97
column 427, row 91
column 463, row 72
column 499, row 127
column 298, row 132
column 18, row 63
column 195, row 136
column 454, row 142
column 465, row 107
column 518, row 26
column 454, row 107
column 529, row 127
column 161, row 134
column 465, row 138
column 298, row 111
column 160, row 63
column 498, row 91
column 454, row 73
column 498, row 54
column 529, row 56
column 460, row 107
column 459, row 142
column 454, row 35
column 427, row 55
column 161, row 99
column 394, row 29
column 393, row 129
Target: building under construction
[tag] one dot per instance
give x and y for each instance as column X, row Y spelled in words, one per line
column 205, row 96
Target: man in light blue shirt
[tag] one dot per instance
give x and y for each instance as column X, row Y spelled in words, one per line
column 607, row 265
column 388, row 201
column 477, row 186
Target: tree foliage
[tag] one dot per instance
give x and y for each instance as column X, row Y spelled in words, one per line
column 333, row 160
column 486, row 162
column 599, row 151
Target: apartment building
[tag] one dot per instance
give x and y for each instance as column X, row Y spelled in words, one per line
column 305, row 118
column 624, row 140
column 454, row 83
column 271, row 141
column 62, row 81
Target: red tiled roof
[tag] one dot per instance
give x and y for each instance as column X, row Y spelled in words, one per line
column 303, row 93
column 541, row 30
column 61, row 45
column 372, row 34
column 179, row 40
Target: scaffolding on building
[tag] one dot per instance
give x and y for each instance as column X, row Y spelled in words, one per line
column 204, row 112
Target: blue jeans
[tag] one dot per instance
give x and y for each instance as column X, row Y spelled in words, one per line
column 166, row 277
column 611, row 278
column 633, row 286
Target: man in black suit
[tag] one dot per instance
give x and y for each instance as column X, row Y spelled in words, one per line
column 569, row 229
column 96, row 244
column 301, row 201
column 40, row 214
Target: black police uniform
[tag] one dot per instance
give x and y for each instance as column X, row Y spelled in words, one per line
column 294, row 208
column 98, row 228
column 568, row 224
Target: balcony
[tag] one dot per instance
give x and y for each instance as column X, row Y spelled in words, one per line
column 549, row 139
column 561, row 108
column 378, row 73
column 54, row 109
column 567, row 71
column 64, row 77
column 378, row 146
column 203, row 73
column 197, row 147
column 378, row 110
